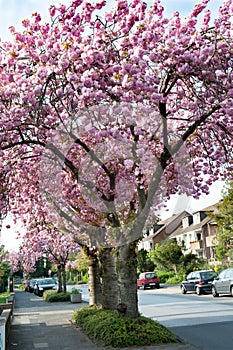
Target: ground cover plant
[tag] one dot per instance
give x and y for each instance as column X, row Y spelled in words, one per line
column 53, row 296
column 3, row 297
column 108, row 328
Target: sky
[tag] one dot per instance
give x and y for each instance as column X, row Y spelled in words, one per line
column 12, row 12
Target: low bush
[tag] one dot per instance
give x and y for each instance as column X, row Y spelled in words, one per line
column 3, row 297
column 71, row 282
column 165, row 275
column 83, row 281
column 20, row 287
column 52, row 296
column 108, row 328
column 174, row 280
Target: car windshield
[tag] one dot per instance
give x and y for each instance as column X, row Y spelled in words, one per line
column 47, row 281
column 150, row 275
column 208, row 274
column 32, row 281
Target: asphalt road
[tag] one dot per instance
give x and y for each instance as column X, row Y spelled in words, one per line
column 203, row 321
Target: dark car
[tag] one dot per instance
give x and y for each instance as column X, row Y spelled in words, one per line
column 198, row 282
column 43, row 284
column 223, row 284
column 148, row 280
column 31, row 285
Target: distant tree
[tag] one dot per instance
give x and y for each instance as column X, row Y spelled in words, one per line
column 5, row 269
column 42, row 267
column 190, row 262
column 224, row 219
column 144, row 263
column 3, row 253
column 167, row 255
column 81, row 262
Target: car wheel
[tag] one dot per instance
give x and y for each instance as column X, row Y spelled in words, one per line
column 214, row 292
column 232, row 291
column 183, row 290
column 198, row 291
column 143, row 287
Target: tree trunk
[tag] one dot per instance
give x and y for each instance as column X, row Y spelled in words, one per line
column 59, row 278
column 94, row 285
column 64, row 277
column 127, row 280
column 109, row 279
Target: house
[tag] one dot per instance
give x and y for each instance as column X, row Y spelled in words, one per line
column 197, row 234
column 161, row 231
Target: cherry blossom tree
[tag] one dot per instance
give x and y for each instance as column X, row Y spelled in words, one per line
column 42, row 239
column 107, row 114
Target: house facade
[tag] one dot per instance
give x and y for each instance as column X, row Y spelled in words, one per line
column 196, row 233
column 161, row 231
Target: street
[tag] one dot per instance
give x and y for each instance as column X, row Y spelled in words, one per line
column 202, row 321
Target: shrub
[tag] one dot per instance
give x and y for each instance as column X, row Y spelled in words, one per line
column 71, row 282
column 20, row 287
column 109, row 329
column 174, row 280
column 53, row 296
column 164, row 276
column 3, row 297
column 75, row 291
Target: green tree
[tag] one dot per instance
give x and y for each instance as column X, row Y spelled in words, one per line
column 190, row 262
column 224, row 219
column 144, row 263
column 167, row 256
column 5, row 269
column 42, row 267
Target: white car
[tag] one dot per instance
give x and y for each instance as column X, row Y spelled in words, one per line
column 223, row 284
column 43, row 284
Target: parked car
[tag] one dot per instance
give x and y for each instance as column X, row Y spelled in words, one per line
column 43, row 284
column 198, row 282
column 148, row 280
column 223, row 284
column 31, row 285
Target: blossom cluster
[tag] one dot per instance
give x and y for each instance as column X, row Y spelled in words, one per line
column 123, row 108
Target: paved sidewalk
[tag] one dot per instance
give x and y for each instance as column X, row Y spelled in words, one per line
column 40, row 325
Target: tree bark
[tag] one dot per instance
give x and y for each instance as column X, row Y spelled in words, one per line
column 94, row 284
column 64, row 277
column 127, row 280
column 59, row 278
column 109, row 279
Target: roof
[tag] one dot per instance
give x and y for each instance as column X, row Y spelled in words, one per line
column 191, row 227
column 169, row 221
column 172, row 218
column 212, row 207
column 165, row 223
